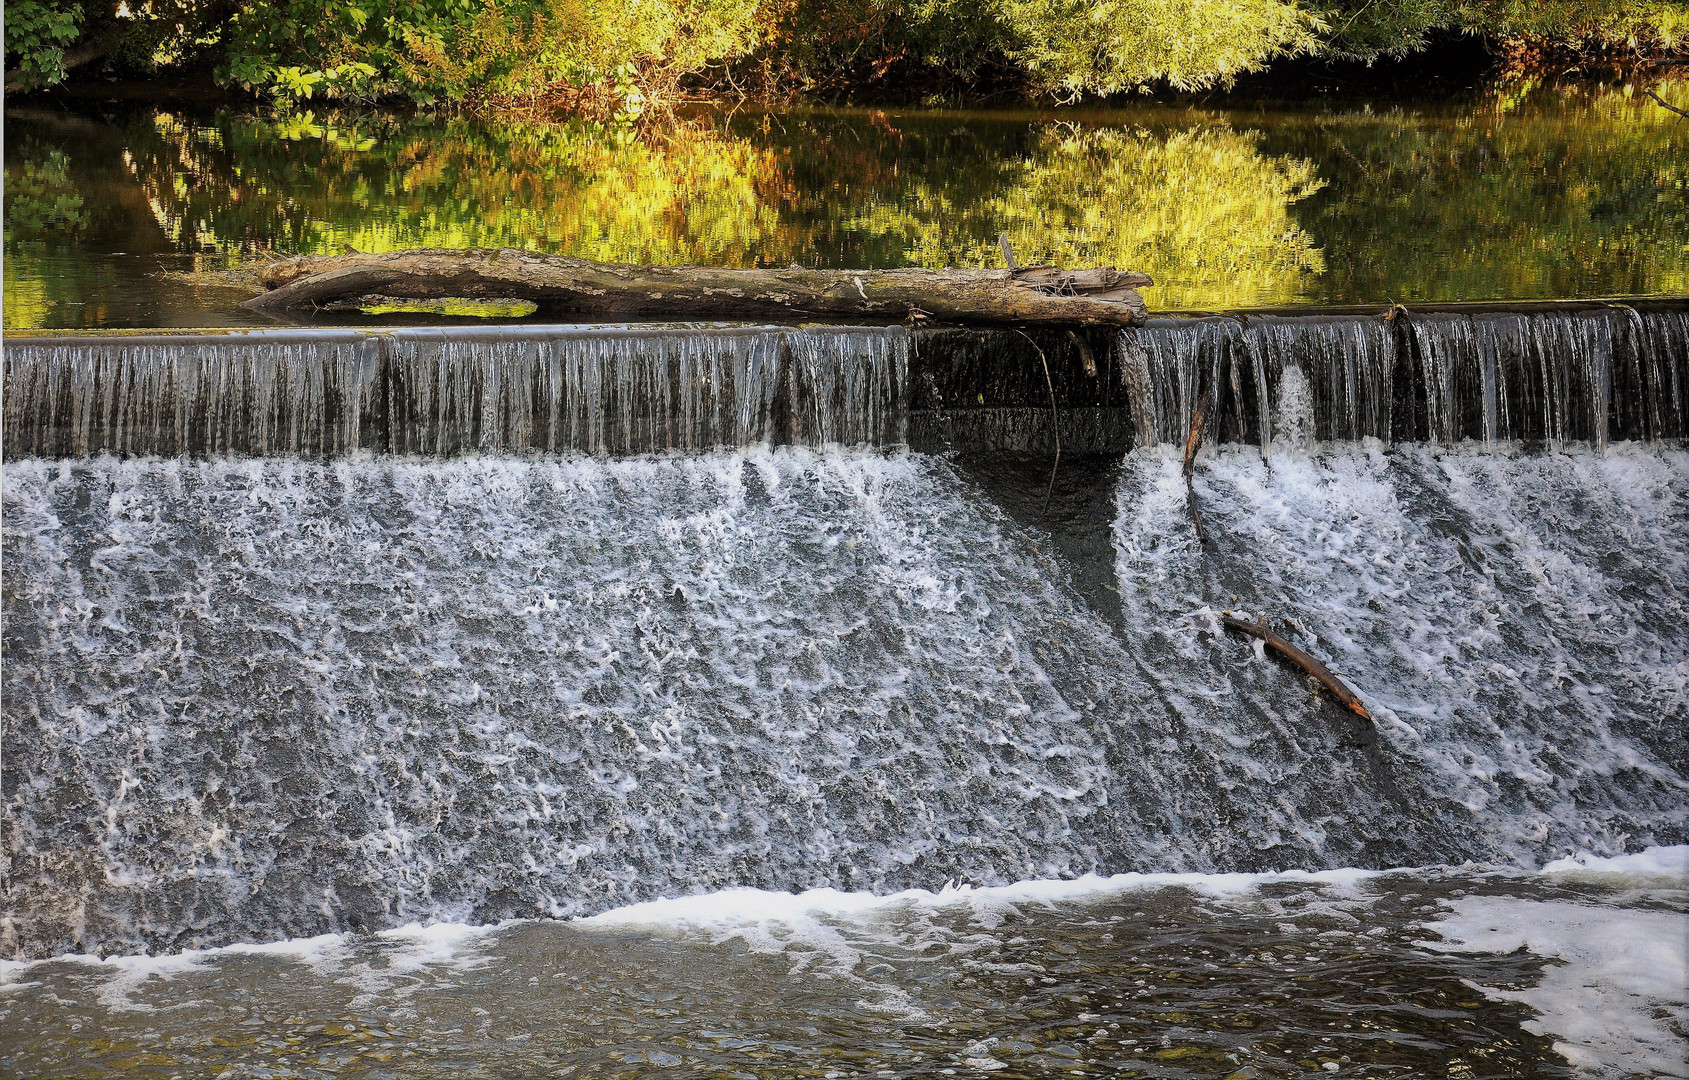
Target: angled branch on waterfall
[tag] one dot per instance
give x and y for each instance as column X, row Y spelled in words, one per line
column 1310, row 664
column 1028, row 295
column 1193, row 443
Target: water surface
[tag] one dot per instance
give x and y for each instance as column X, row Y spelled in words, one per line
column 1554, row 193
column 1416, row 973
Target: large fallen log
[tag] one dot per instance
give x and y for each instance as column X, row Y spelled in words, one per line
column 1349, row 699
column 1036, row 294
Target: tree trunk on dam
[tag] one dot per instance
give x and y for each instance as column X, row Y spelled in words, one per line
column 1039, row 294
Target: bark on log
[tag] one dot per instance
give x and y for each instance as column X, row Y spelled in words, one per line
column 1038, row 294
column 1311, row 665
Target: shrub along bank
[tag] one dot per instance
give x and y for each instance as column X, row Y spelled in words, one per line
column 615, row 56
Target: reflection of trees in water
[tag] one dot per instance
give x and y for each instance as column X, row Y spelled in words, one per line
column 43, row 207
column 1551, row 193
column 1540, row 194
column 1203, row 208
column 42, row 201
column 380, row 184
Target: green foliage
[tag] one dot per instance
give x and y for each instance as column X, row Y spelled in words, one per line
column 297, row 50
column 1364, row 29
column 1056, row 48
column 41, row 198
column 1636, row 24
column 1074, row 47
column 1368, row 29
column 612, row 57
column 37, row 34
column 481, row 50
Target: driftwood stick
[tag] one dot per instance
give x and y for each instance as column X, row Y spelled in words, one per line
column 1193, row 443
column 1029, row 295
column 1310, row 664
column 1664, row 104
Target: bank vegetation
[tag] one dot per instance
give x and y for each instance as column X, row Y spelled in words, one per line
column 617, row 57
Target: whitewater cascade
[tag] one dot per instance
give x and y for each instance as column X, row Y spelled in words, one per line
column 1591, row 375
column 275, row 668
column 1578, row 374
column 328, row 393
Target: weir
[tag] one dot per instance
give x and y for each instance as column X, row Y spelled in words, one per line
column 1578, row 373
column 315, row 630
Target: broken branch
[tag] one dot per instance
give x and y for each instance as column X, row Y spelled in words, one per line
column 1347, row 697
column 1193, row 443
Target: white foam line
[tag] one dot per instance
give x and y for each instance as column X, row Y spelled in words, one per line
column 1666, row 866
column 423, row 944
column 127, row 974
column 1655, row 865
column 309, row 950
column 738, row 906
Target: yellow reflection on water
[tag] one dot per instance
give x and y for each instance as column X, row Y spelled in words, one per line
column 1528, row 193
column 1202, row 210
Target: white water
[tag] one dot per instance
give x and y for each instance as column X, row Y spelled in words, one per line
column 292, row 698
column 296, row 697
column 1619, row 984
column 1515, row 622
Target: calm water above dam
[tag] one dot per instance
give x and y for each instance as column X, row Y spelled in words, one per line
column 1547, row 194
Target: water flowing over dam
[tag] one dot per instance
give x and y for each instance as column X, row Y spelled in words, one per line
column 313, row 631
column 1585, row 373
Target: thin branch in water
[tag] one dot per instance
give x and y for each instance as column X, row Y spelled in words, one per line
column 1055, row 419
column 1312, row 665
column 1193, row 443
column 1664, row 104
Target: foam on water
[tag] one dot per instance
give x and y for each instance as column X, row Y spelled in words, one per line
column 1608, row 998
column 1618, row 988
column 734, row 906
column 1665, row 866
